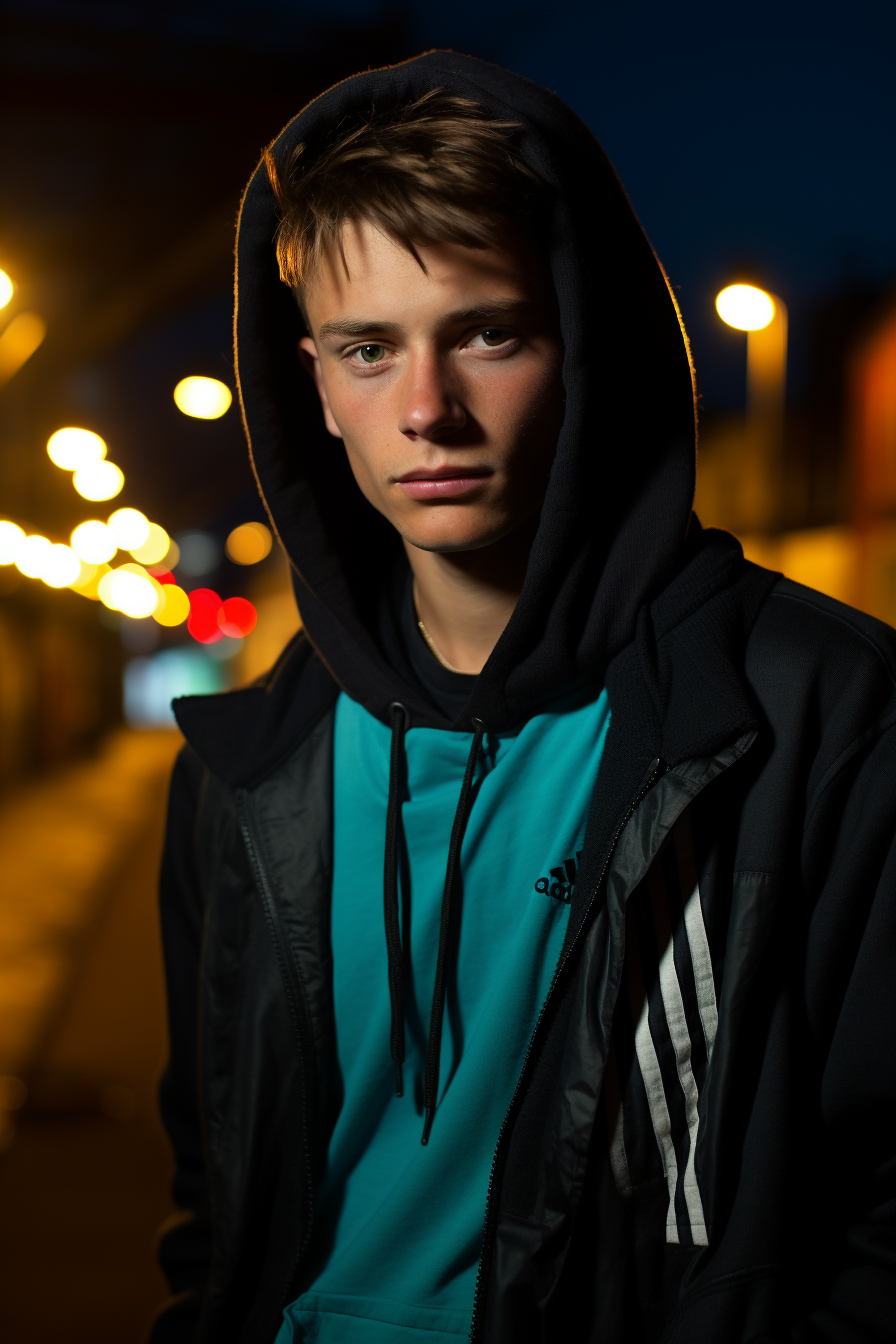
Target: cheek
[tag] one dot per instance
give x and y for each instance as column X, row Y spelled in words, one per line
column 521, row 398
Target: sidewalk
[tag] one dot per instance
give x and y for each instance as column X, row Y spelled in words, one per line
column 83, row 1180
column 64, row 844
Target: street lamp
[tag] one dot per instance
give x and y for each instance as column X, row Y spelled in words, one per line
column 763, row 317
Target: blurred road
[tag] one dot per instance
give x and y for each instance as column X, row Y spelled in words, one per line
column 83, row 1180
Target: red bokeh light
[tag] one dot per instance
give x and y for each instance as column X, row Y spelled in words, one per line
column 161, row 575
column 237, row 617
column 202, row 622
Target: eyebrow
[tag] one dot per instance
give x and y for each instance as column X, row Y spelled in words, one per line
column 485, row 312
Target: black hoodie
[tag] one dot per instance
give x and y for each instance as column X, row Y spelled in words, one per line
column 750, row 765
column 619, row 498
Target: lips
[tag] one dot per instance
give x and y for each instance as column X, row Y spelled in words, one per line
column 447, row 482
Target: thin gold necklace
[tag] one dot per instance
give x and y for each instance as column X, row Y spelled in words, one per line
column 434, row 650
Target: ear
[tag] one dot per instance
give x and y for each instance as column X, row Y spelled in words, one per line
column 311, row 363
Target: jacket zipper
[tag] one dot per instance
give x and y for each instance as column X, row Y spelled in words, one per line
column 297, row 1014
column 655, row 771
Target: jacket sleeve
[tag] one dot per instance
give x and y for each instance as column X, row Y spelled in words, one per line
column 185, row 1239
column 850, row 977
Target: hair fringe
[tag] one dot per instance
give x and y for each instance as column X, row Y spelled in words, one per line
column 436, row 169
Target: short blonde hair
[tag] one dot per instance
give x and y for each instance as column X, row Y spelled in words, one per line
column 434, row 170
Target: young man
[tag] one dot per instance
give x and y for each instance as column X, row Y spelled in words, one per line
column 527, row 928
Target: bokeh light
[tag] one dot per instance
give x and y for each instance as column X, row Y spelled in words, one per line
column 249, row 543
column 6, row 288
column 200, row 553
column 174, row 607
column 237, row 617
column 203, row 398
column 32, row 557
column 745, row 307
column 73, row 448
column 203, row 623
column 98, row 480
column 171, row 558
column 61, row 567
column 130, row 528
column 155, row 548
column 11, row 538
column 94, row 542
column 130, row 590
column 88, row 581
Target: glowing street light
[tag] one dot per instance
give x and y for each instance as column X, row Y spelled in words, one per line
column 155, row 548
column 61, row 568
column 745, row 307
column 203, row 398
column 130, row 528
column 94, row 542
column 98, row 480
column 11, row 538
column 72, row 448
column 130, row 590
column 763, row 317
column 32, row 556
column 248, row 543
column 6, row 288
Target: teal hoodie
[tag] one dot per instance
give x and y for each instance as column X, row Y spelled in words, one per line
column 400, row 1224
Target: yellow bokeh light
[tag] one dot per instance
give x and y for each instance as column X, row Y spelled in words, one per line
column 5, row 289
column 88, row 581
column 171, row 558
column 203, row 398
column 174, row 607
column 33, row 555
column 11, row 538
column 61, row 567
column 94, row 542
column 248, row 543
column 72, row 448
column 98, row 480
column 130, row 590
column 155, row 547
column 130, row 528
column 745, row 307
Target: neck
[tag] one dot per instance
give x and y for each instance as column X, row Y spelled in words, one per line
column 466, row 598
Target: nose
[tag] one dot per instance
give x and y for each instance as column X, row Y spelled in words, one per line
column 431, row 408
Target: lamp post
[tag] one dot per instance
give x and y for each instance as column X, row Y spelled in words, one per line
column 763, row 317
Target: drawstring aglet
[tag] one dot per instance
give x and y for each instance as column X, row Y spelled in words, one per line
column 399, row 1078
column 428, row 1114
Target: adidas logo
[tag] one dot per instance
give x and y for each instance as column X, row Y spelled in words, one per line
column 562, row 880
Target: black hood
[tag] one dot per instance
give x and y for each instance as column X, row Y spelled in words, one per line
column 619, row 499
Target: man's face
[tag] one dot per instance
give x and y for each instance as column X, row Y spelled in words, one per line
column 444, row 383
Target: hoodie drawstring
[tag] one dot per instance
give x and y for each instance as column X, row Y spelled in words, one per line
column 400, row 719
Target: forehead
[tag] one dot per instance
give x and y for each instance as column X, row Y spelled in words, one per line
column 378, row 276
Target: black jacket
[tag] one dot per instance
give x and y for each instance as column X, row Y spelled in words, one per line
column 700, row 1147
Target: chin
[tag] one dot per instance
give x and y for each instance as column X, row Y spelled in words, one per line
column 444, row 540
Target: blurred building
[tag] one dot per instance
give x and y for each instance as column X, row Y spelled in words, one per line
column 819, row 503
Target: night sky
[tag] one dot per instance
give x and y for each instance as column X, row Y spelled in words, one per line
column 758, row 135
